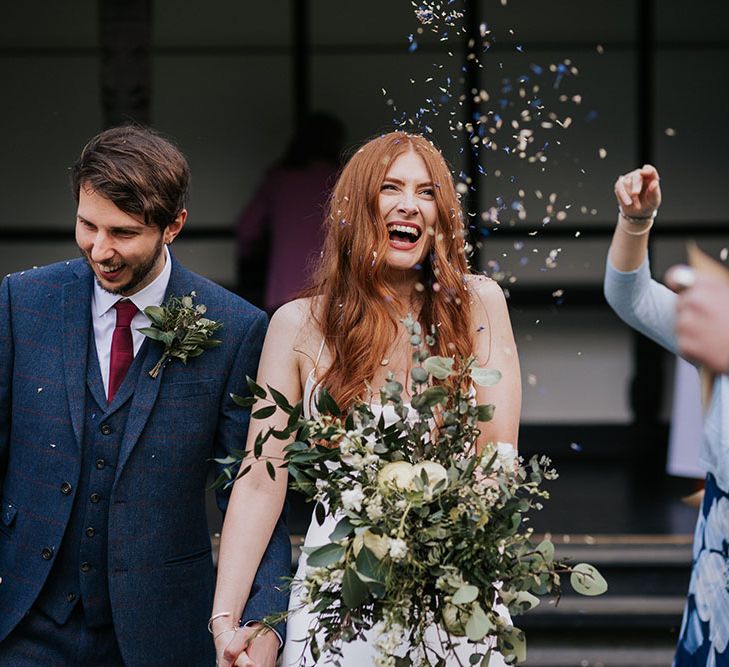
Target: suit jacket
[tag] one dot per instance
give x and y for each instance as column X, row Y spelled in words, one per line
column 160, row 570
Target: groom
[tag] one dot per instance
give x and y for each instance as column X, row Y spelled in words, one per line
column 104, row 548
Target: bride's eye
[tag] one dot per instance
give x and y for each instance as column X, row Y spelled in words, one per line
column 388, row 186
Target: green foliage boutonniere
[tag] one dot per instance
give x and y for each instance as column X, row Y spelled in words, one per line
column 181, row 328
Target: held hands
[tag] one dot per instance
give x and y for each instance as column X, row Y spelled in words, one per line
column 246, row 647
column 639, row 192
column 702, row 316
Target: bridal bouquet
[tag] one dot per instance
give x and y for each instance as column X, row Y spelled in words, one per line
column 431, row 536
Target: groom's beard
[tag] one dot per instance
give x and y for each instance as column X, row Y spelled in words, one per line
column 140, row 272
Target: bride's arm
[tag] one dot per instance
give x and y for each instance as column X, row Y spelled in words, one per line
column 495, row 348
column 256, row 501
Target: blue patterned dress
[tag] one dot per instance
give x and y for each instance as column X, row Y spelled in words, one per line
column 704, row 637
column 649, row 307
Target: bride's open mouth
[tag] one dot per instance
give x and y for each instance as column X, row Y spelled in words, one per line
column 403, row 236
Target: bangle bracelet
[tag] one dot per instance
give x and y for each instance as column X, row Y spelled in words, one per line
column 642, row 232
column 220, row 634
column 638, row 219
column 222, row 614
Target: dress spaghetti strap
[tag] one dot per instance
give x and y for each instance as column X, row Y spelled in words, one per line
column 318, row 356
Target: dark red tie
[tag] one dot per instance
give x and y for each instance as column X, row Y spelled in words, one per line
column 122, row 346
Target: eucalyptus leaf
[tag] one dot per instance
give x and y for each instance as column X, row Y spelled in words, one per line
column 325, row 404
column 478, row 625
column 546, row 548
column 151, row 332
column 429, row 398
column 343, row 529
column 325, row 556
column 419, row 375
column 465, row 594
column 280, row 400
column 264, row 413
column 586, row 580
column 515, row 644
column 156, row 314
column 439, row 367
column 485, row 377
column 520, row 601
column 369, row 566
column 486, row 412
column 167, row 337
column 243, row 401
column 354, row 590
column 256, row 389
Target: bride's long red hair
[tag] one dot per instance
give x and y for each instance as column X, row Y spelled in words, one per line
column 355, row 308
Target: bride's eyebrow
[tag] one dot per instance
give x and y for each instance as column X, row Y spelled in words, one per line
column 397, row 181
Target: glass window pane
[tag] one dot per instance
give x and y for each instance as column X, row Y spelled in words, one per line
column 691, row 144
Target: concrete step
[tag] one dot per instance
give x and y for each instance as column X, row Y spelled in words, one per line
column 611, row 655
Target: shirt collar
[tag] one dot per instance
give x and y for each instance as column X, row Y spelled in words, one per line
column 152, row 295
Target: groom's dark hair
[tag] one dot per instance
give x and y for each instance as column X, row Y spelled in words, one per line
column 138, row 170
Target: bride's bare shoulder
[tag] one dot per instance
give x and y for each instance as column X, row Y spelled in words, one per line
column 294, row 321
column 292, row 314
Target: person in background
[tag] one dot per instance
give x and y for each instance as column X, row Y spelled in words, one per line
column 680, row 323
column 286, row 212
column 702, row 317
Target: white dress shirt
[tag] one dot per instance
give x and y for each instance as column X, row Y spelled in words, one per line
column 103, row 315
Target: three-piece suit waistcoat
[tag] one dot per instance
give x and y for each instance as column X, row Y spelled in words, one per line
column 79, row 574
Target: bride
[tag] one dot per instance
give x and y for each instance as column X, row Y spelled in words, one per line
column 394, row 244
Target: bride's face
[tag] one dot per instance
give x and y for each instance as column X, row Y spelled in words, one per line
column 407, row 205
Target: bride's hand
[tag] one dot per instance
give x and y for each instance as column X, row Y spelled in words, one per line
column 228, row 644
column 248, row 647
column 639, row 192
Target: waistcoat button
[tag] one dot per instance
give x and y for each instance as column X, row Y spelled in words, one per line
column 95, row 497
column 100, row 464
column 70, row 597
column 90, row 532
column 46, row 553
column 66, row 488
column 85, row 567
column 106, row 429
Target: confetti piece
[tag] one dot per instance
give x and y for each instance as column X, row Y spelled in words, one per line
column 575, row 447
column 670, row 132
column 602, row 153
column 723, row 254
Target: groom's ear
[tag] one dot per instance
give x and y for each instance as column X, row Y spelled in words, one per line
column 175, row 227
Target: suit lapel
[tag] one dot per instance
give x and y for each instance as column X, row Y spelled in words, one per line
column 147, row 388
column 76, row 332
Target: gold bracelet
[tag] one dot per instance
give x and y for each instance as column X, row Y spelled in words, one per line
column 222, row 614
column 642, row 232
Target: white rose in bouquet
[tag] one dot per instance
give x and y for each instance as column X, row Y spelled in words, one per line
column 397, row 473
column 435, row 471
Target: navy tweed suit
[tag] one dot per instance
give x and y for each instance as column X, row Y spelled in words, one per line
column 158, row 560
